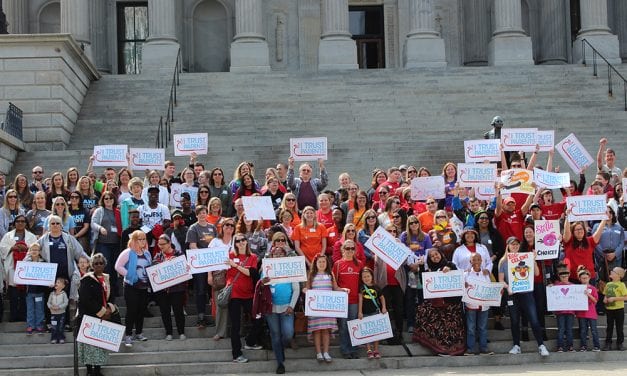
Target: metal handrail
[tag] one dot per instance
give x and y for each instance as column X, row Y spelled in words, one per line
column 610, row 68
column 164, row 131
column 13, row 121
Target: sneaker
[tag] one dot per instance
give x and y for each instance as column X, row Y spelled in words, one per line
column 468, row 353
column 327, row 357
column 583, row 349
column 61, row 341
column 543, row 351
column 369, row 354
column 168, row 337
column 240, row 359
column 354, row 355
column 29, row 331
column 486, row 352
column 128, row 341
column 560, row 349
column 410, row 330
column 280, row 369
column 254, row 347
column 596, row 349
column 347, row 356
column 608, row 346
column 619, row 347
column 377, row 355
column 182, row 337
column 515, row 350
column 320, row 358
column 140, row 337
column 209, row 322
column 200, row 324
column 41, row 331
column 53, row 341
column 571, row 349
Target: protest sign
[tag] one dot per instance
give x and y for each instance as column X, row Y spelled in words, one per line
column 624, row 180
column 441, row 285
column 188, row 143
column 175, row 195
column 369, row 329
column 547, row 241
column 168, row 273
column 546, row 140
column 517, row 180
column 308, row 149
column 486, row 294
column 325, row 303
column 192, row 191
column 202, row 260
column 387, row 248
column 574, row 153
column 566, row 298
column 476, row 174
column 428, row 186
column 100, row 333
column 110, row 155
column 258, row 207
column 151, row 159
column 586, row 208
column 519, row 139
column 485, row 193
column 550, row 180
column 477, row 151
column 521, row 268
column 35, row 273
column 284, row 269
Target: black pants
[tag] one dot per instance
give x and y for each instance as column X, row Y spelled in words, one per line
column 394, row 298
column 135, row 305
column 615, row 316
column 235, row 314
column 200, row 292
column 17, row 304
column 172, row 301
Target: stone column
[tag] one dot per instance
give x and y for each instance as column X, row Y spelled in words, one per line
column 553, row 35
column 336, row 49
column 476, row 31
column 620, row 20
column 594, row 28
column 423, row 45
column 17, row 16
column 100, row 47
column 509, row 44
column 249, row 50
column 161, row 50
column 75, row 21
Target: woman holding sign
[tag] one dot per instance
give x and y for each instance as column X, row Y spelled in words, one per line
column 579, row 248
column 217, row 279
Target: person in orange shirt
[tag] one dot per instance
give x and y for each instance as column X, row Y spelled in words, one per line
column 427, row 218
column 310, row 238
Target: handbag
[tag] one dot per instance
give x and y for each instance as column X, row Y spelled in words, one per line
column 219, row 279
column 224, row 296
column 300, row 320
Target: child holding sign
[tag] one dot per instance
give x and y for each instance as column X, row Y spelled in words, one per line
column 476, row 315
column 35, row 297
column 564, row 318
column 588, row 318
column 615, row 295
column 371, row 302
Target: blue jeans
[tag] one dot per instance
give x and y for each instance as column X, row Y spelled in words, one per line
column 200, row 293
column 583, row 332
column 565, row 327
column 524, row 302
column 345, row 339
column 477, row 320
column 58, row 322
column 35, row 310
column 110, row 252
column 281, row 327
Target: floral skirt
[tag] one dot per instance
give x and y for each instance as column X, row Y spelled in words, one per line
column 440, row 326
column 92, row 355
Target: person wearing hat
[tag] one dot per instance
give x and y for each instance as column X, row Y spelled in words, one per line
column 178, row 231
column 154, row 215
column 535, row 214
column 565, row 318
column 186, row 209
column 551, row 210
column 470, row 245
column 509, row 220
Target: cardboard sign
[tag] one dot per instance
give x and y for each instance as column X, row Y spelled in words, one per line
column 442, row 285
column 476, row 174
column 188, row 143
column 481, row 293
column 519, row 139
column 110, row 155
column 284, row 269
column 566, row 298
column 547, row 243
column 586, row 208
column 308, row 149
column 100, row 333
column 546, row 140
column 258, row 207
column 204, row 260
column 428, row 186
column 624, row 181
column 485, row 193
column 325, row 303
column 35, row 273
column 517, row 180
column 175, row 195
column 152, row 159
column 369, row 329
column 477, row 151
column 387, row 248
column 520, row 268
column 574, row 153
column 169, row 273
column 551, row 180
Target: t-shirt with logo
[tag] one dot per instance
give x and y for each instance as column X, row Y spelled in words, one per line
column 370, row 295
column 201, row 235
column 153, row 216
column 346, row 274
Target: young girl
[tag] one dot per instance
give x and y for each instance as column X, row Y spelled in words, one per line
column 588, row 318
column 371, row 302
column 320, row 278
column 564, row 318
column 615, row 295
column 57, row 303
column 35, row 297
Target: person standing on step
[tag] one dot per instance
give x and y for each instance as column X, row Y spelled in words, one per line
column 305, row 188
column 346, row 274
column 615, row 294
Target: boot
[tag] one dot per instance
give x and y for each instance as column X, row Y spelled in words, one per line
column 608, row 346
column 90, row 369
column 97, row 371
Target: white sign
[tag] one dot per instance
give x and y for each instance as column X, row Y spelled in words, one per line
column 567, row 298
column 175, row 195
column 624, row 187
column 477, row 151
column 521, row 269
column 547, row 239
column 586, row 208
column 519, row 139
column 442, row 285
column 387, row 248
column 35, row 273
column 284, row 269
column 551, row 180
column 169, row 273
column 369, row 329
column 258, row 207
column 192, row 191
column 151, row 159
column 485, row 193
column 110, row 155
column 574, row 153
column 425, row 187
column 481, row 293
column 324, row 303
column 476, row 174
column 308, row 149
column 546, row 140
column 186, row 144
column 204, row 260
column 517, row 180
column 100, row 333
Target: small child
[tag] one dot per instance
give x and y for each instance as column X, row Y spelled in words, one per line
column 588, row 318
column 476, row 315
column 564, row 318
column 57, row 303
column 35, row 297
column 371, row 302
column 615, row 295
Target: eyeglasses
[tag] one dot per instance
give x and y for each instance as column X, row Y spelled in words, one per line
column 431, row 203
column 382, row 193
column 305, row 170
column 347, row 231
column 55, row 223
column 59, row 204
column 240, row 240
column 107, row 198
column 228, row 225
column 283, row 240
column 396, row 216
column 38, row 172
column 412, row 172
column 217, row 174
column 440, row 216
column 371, row 217
column 290, row 199
column 96, row 263
column 413, row 223
column 483, row 218
column 201, row 192
column 352, row 189
column 349, row 248
column 516, row 166
column 11, row 196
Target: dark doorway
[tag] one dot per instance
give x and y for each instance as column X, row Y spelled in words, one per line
column 575, row 19
column 366, row 26
column 132, row 33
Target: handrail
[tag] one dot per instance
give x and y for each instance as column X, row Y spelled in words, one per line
column 13, row 122
column 164, row 131
column 610, row 68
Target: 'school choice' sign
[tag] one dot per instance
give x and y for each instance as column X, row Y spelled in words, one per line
column 566, row 298
column 574, row 153
column 284, row 269
column 188, row 143
column 521, row 268
column 142, row 159
column 387, row 248
column 427, row 186
column 586, row 208
column 110, row 155
column 547, row 240
column 486, row 294
column 258, row 207
column 546, row 140
column 442, row 285
column 100, row 333
column 369, row 329
column 519, row 139
column 35, row 273
column 517, row 180
column 308, row 149
column 551, row 180
column 324, row 303
column 476, row 174
column 477, row 151
column 168, row 273
column 202, row 260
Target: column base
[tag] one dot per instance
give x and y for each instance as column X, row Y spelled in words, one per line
column 159, row 58
column 510, row 50
column 606, row 44
column 337, row 54
column 250, row 56
column 424, row 53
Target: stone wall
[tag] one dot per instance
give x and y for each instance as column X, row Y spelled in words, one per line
column 9, row 147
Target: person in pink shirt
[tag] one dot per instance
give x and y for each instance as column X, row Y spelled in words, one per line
column 564, row 318
column 588, row 319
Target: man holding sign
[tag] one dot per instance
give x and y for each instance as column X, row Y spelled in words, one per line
column 304, row 187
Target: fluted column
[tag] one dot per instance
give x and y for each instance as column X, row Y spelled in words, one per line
column 620, row 18
column 509, row 44
column 249, row 50
column 336, row 50
column 594, row 28
column 98, row 18
column 423, row 45
column 161, row 21
column 75, row 21
column 17, row 16
column 476, row 31
column 553, row 36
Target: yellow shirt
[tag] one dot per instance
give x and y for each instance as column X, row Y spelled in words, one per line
column 612, row 290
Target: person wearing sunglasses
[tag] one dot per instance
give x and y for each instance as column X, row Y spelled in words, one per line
column 217, row 279
column 305, row 188
column 106, row 227
column 61, row 209
column 392, row 204
column 218, row 188
column 36, row 217
column 442, row 235
column 372, row 223
column 360, row 206
column 82, row 219
column 11, row 208
column 349, row 233
column 427, row 219
column 290, row 204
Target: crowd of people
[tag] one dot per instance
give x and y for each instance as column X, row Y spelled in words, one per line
column 104, row 231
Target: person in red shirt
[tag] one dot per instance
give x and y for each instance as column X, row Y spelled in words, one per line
column 551, row 210
column 324, row 215
column 579, row 248
column 509, row 220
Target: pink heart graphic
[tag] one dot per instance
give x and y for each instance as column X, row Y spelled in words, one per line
column 564, row 291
